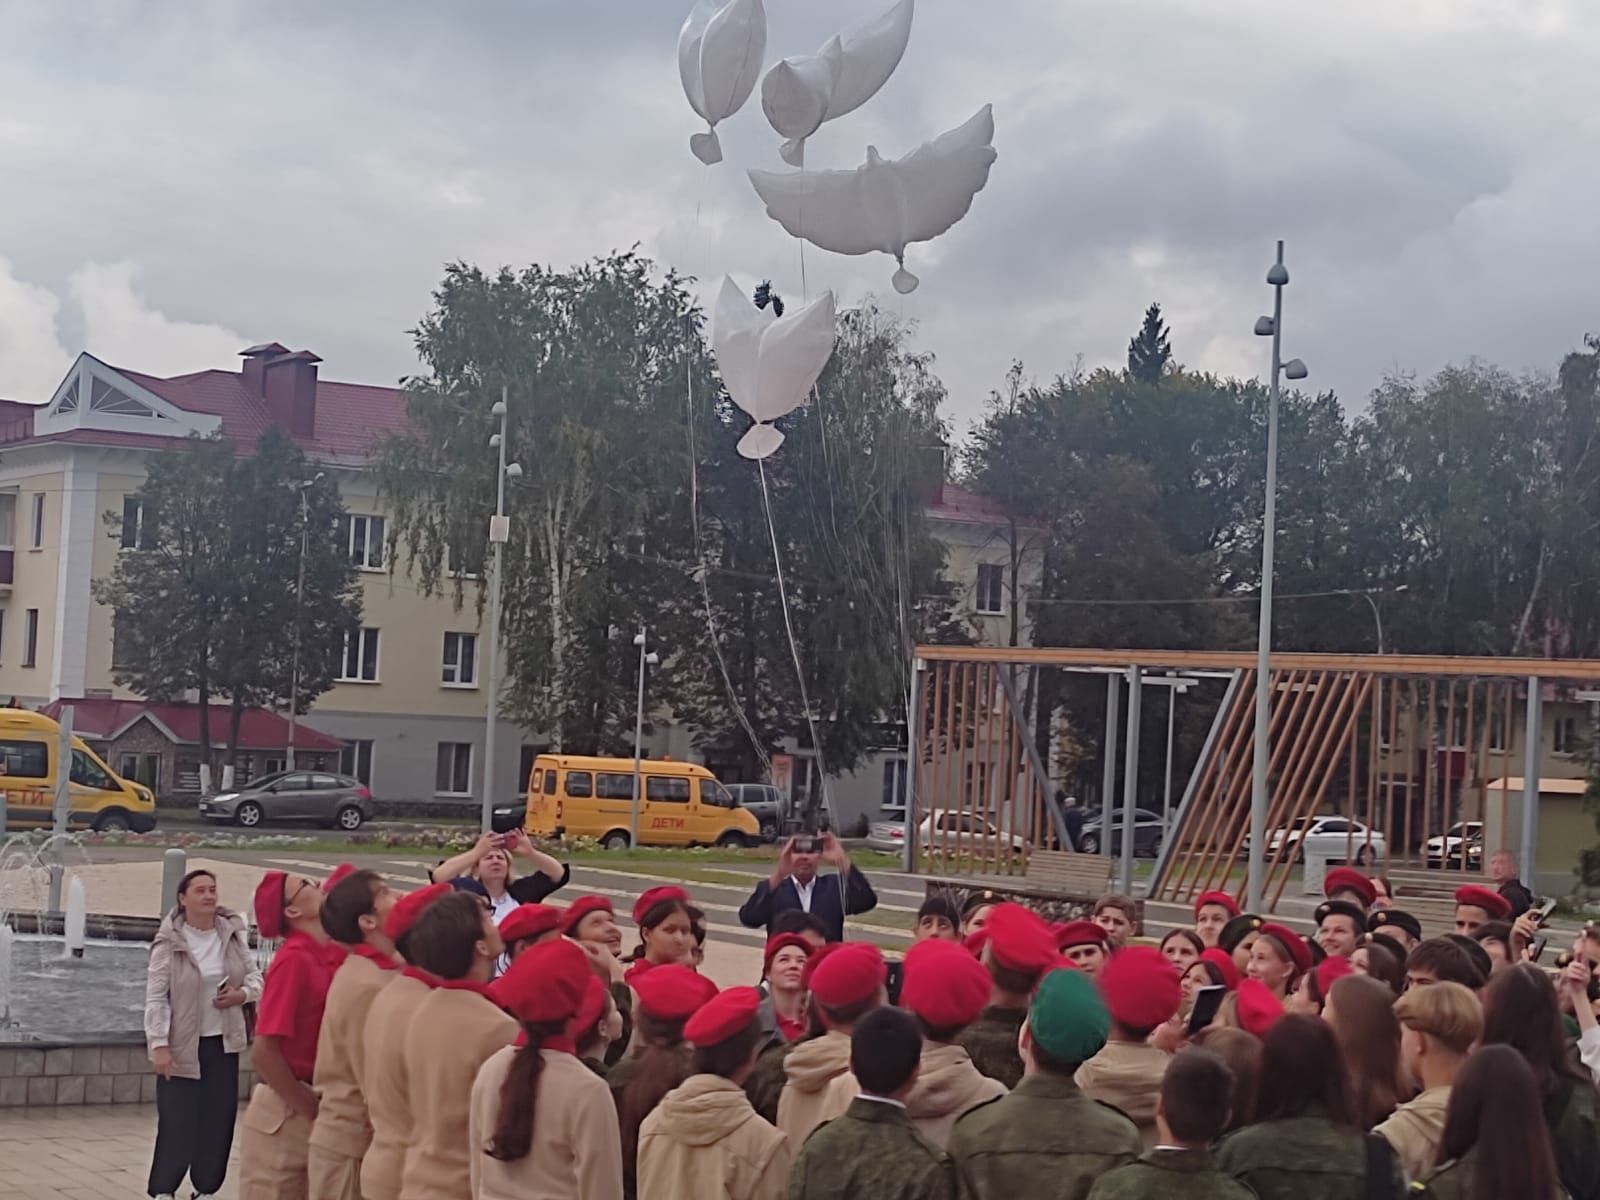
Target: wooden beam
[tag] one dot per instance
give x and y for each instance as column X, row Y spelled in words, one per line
column 1554, row 669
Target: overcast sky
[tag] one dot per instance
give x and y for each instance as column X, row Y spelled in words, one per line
column 178, row 180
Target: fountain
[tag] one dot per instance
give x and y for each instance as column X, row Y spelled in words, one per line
column 7, row 938
column 77, row 918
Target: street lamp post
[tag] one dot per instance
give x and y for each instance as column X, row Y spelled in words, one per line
column 302, row 487
column 1278, row 277
column 647, row 657
column 499, row 534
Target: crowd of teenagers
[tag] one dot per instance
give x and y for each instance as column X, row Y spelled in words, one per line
column 444, row 1044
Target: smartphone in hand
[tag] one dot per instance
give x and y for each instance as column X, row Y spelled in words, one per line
column 1207, row 1002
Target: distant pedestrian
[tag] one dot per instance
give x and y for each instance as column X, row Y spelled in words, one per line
column 489, row 862
column 201, row 974
column 794, row 883
column 1191, row 1113
column 873, row 1150
column 1503, row 870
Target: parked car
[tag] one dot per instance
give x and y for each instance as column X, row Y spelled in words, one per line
column 314, row 797
column 1331, row 837
column 942, row 831
column 1149, row 830
column 1446, row 849
column 764, row 802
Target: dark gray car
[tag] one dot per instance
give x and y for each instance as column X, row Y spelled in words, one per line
column 766, row 805
column 307, row 797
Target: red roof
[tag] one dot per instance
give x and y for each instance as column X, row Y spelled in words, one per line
column 954, row 503
column 349, row 415
column 259, row 729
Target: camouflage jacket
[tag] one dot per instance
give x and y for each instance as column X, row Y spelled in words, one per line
column 1572, row 1111
column 1305, row 1158
column 991, row 1042
column 1450, row 1181
column 1170, row 1175
column 872, row 1152
column 1044, row 1141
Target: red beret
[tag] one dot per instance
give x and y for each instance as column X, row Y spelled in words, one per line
column 1219, row 898
column 1293, row 945
column 815, row 961
column 1223, row 961
column 409, row 907
column 727, row 1013
column 782, row 941
column 1348, row 878
column 590, row 1007
column 671, row 992
column 1019, row 939
column 340, row 873
column 544, row 983
column 1258, row 1009
column 1082, row 933
column 654, row 896
column 581, row 908
column 1335, row 966
column 529, row 921
column 1493, row 903
column 944, row 985
column 850, row 974
column 269, row 904
column 975, row 941
column 1141, row 988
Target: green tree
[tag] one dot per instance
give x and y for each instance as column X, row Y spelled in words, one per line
column 204, row 597
column 1149, row 350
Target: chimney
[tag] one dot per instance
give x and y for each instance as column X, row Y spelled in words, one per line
column 289, row 387
column 255, row 362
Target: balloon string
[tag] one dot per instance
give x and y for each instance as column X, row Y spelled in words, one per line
column 794, row 648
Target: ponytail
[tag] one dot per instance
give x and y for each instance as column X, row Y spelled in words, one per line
column 519, row 1094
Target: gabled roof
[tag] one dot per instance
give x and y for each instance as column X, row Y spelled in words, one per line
column 963, row 507
column 104, row 720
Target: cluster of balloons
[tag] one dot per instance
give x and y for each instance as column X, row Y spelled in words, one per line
column 881, row 206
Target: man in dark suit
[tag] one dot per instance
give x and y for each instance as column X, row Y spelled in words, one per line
column 795, row 884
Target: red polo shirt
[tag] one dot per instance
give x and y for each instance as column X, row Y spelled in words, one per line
column 293, row 997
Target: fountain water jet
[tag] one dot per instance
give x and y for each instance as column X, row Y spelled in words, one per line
column 77, row 917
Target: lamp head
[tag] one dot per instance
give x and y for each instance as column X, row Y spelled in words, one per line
column 498, row 408
column 494, row 440
column 1295, row 369
column 513, row 470
column 652, row 659
column 1278, row 275
column 1264, row 326
column 638, row 639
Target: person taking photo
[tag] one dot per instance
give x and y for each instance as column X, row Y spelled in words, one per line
column 795, row 884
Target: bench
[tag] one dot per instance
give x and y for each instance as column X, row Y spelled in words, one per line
column 1059, row 885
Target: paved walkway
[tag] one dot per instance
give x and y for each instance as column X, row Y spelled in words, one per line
column 94, row 1153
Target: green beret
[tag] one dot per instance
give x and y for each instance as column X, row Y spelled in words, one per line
column 1068, row 1019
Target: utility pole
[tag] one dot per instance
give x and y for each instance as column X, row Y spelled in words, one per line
column 499, row 534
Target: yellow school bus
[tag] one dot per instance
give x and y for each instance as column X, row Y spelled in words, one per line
column 30, row 744
column 680, row 803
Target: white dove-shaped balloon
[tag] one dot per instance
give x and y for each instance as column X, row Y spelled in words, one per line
column 798, row 94
column 768, row 363
column 885, row 204
column 720, row 49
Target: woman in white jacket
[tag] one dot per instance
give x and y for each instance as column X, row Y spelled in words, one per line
column 201, row 975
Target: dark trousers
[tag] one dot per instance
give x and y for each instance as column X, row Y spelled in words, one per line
column 194, row 1123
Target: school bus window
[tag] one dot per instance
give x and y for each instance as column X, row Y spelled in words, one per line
column 89, row 773
column 613, row 787
column 550, row 782
column 579, row 784
column 28, row 759
column 673, row 789
column 714, row 794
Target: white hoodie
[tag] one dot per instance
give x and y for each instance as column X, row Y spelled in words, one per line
column 705, row 1142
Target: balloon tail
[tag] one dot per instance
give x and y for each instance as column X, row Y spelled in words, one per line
column 707, row 147
column 760, row 441
column 793, row 152
column 905, row 282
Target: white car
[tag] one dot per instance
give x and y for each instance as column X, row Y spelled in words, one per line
column 1446, row 850
column 1331, row 837
column 955, row 832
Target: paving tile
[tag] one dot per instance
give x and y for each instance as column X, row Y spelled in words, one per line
column 41, row 1090
column 58, row 1062
column 86, row 1060
column 70, row 1089
column 30, row 1062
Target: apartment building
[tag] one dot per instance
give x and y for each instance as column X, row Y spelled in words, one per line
column 408, row 709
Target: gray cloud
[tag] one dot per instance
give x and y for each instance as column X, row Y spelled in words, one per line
column 300, row 171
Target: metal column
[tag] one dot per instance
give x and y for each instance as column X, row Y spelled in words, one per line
column 1532, row 738
column 1130, row 782
column 1108, row 752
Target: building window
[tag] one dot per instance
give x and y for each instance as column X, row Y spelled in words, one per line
column 136, row 534
column 356, row 760
column 30, row 638
column 360, row 663
column 140, row 768
column 121, row 641
column 1564, row 735
column 36, row 522
column 991, row 588
column 276, row 765
column 894, row 787
column 366, row 542
column 460, row 660
column 452, row 774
